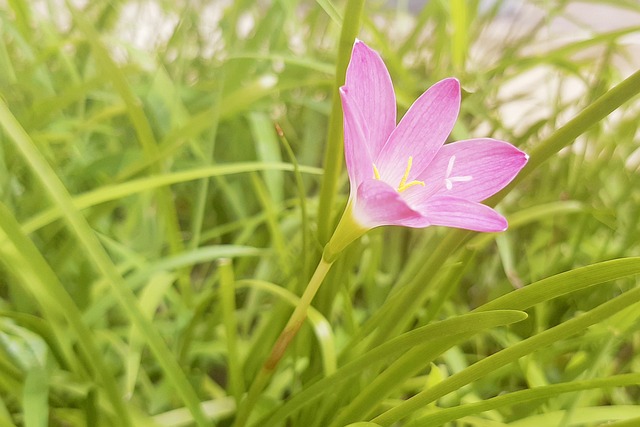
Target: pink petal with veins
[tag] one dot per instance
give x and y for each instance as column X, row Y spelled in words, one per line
column 379, row 204
column 461, row 213
column 356, row 137
column 421, row 132
column 370, row 87
column 421, row 181
column 473, row 169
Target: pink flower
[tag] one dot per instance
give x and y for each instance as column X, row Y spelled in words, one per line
column 404, row 174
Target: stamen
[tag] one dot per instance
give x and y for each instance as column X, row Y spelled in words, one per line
column 376, row 174
column 403, row 182
column 411, row 184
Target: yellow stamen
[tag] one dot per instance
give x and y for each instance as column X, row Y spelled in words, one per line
column 403, row 182
column 411, row 184
column 376, row 174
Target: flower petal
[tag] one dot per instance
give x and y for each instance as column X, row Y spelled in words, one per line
column 371, row 89
column 473, row 169
column 378, row 204
column 356, row 133
column 461, row 213
column 421, row 132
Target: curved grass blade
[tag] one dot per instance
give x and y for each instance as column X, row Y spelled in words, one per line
column 508, row 355
column 117, row 191
column 564, row 283
column 100, row 259
column 46, row 288
column 539, row 393
column 453, row 330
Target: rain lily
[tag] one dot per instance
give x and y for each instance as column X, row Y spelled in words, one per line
column 404, row 174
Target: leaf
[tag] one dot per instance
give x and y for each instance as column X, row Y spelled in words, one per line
column 443, row 416
column 447, row 329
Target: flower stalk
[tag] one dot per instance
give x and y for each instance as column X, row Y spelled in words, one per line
column 282, row 343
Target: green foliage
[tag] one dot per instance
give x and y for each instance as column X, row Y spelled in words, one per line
column 170, row 172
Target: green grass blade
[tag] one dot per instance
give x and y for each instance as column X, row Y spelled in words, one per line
column 511, row 354
column 443, row 416
column 100, row 259
column 460, row 38
column 331, row 10
column 118, row 191
column 150, row 299
column 334, row 148
column 268, row 151
column 35, row 398
column 599, row 414
column 143, row 131
column 565, row 283
column 145, row 272
column 565, row 135
column 321, row 326
column 454, row 327
column 228, row 297
column 39, row 278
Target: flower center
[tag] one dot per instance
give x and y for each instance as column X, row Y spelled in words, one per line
column 403, row 182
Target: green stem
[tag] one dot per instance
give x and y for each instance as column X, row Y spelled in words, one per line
column 334, row 149
column 282, row 343
column 347, row 230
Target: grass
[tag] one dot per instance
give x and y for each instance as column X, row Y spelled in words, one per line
column 166, row 195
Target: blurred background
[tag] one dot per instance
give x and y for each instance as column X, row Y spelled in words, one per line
column 189, row 132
